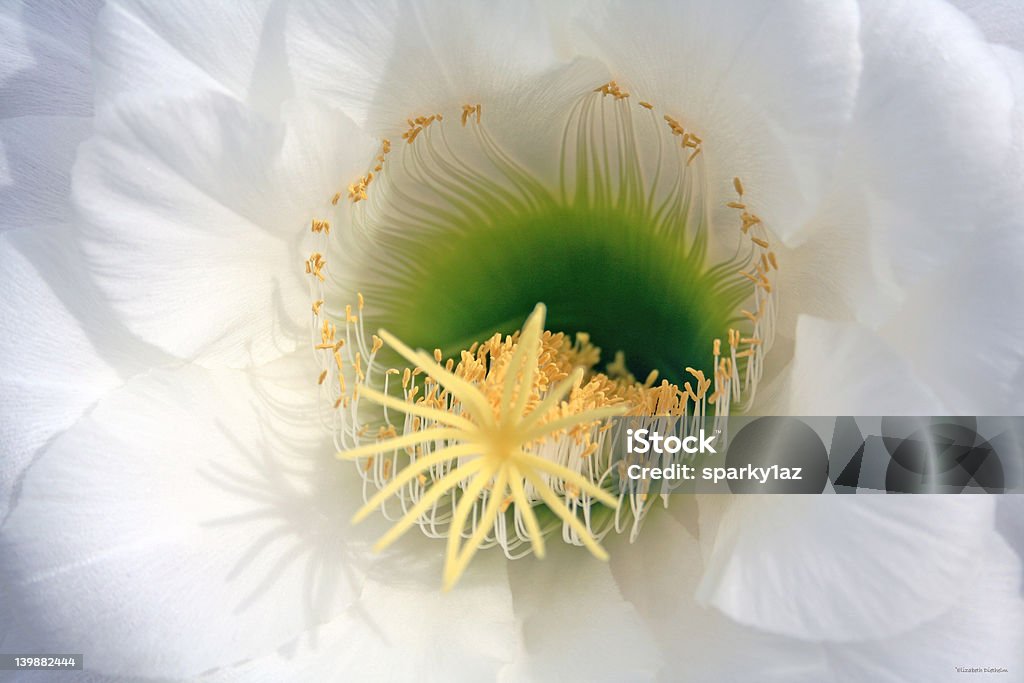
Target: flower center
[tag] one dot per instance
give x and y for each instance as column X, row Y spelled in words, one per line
column 455, row 243
column 605, row 272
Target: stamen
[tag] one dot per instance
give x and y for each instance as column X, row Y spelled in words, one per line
column 523, row 421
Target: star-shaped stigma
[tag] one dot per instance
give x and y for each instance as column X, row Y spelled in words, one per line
column 489, row 437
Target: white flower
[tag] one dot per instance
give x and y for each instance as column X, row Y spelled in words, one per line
column 170, row 502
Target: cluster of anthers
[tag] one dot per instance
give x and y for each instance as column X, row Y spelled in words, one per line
column 512, row 440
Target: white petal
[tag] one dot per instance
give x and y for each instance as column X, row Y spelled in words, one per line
column 1010, row 519
column 768, row 88
column 575, row 623
column 198, row 214
column 194, row 519
column 960, row 330
column 36, row 153
column 44, row 58
column 984, row 629
column 929, row 179
column 845, row 369
column 183, row 47
column 45, row 107
column 1002, row 21
column 930, row 138
column 402, row 631
column 59, row 349
column 698, row 643
column 383, row 62
column 844, row 567
column 660, row 574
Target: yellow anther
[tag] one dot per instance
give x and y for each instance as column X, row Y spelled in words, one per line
column 749, row 220
column 378, row 343
column 646, row 105
column 317, row 305
column 437, row 355
column 738, row 184
column 736, row 205
column 327, row 331
column 750, row 340
column 717, row 346
column 674, row 125
column 315, row 264
column 357, row 190
column 415, row 126
column 471, row 110
column 335, row 198
column 612, row 88
column 323, row 376
column 773, row 260
column 759, row 242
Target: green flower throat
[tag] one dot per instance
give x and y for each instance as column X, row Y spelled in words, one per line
column 455, row 243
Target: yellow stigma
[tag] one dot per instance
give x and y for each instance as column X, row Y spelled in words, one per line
column 489, row 439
